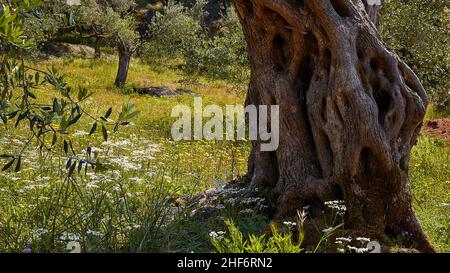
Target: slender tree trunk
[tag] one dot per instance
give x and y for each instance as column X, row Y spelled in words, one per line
column 350, row 113
column 124, row 63
column 98, row 51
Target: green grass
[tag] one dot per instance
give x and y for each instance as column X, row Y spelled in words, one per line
column 144, row 164
column 430, row 179
column 126, row 208
column 432, row 113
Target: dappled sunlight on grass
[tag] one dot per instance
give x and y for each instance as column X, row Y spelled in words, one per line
column 430, row 179
column 114, row 209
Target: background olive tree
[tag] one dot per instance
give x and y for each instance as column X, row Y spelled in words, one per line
column 114, row 21
column 184, row 35
column 50, row 121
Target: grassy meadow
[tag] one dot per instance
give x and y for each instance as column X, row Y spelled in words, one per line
column 128, row 208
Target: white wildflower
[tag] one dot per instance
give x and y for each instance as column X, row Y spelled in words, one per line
column 345, row 239
column 230, row 201
column 125, row 163
column 39, row 232
column 92, row 185
column 357, row 249
column 95, row 149
column 232, row 191
column 220, row 207
column 86, row 215
column 251, row 200
column 94, row 233
column 327, row 230
column 219, row 234
column 363, row 239
column 289, row 224
column 44, row 178
column 118, row 144
column 80, row 133
column 338, row 205
column 138, row 180
column 246, row 211
column 65, row 236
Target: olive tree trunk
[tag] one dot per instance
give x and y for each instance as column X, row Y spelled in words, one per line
column 98, row 51
column 350, row 112
column 124, row 63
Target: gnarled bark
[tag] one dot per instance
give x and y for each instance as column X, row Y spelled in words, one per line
column 350, row 112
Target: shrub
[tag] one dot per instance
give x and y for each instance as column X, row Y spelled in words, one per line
column 177, row 33
column 223, row 56
column 233, row 241
column 170, row 28
column 419, row 32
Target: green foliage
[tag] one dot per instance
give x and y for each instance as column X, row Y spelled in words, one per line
column 223, row 56
column 180, row 33
column 111, row 23
column 233, row 241
column 102, row 214
column 11, row 22
column 112, row 20
column 44, row 22
column 419, row 32
column 168, row 31
column 93, row 16
column 430, row 180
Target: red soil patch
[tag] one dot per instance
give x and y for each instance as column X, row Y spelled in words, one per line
column 438, row 128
